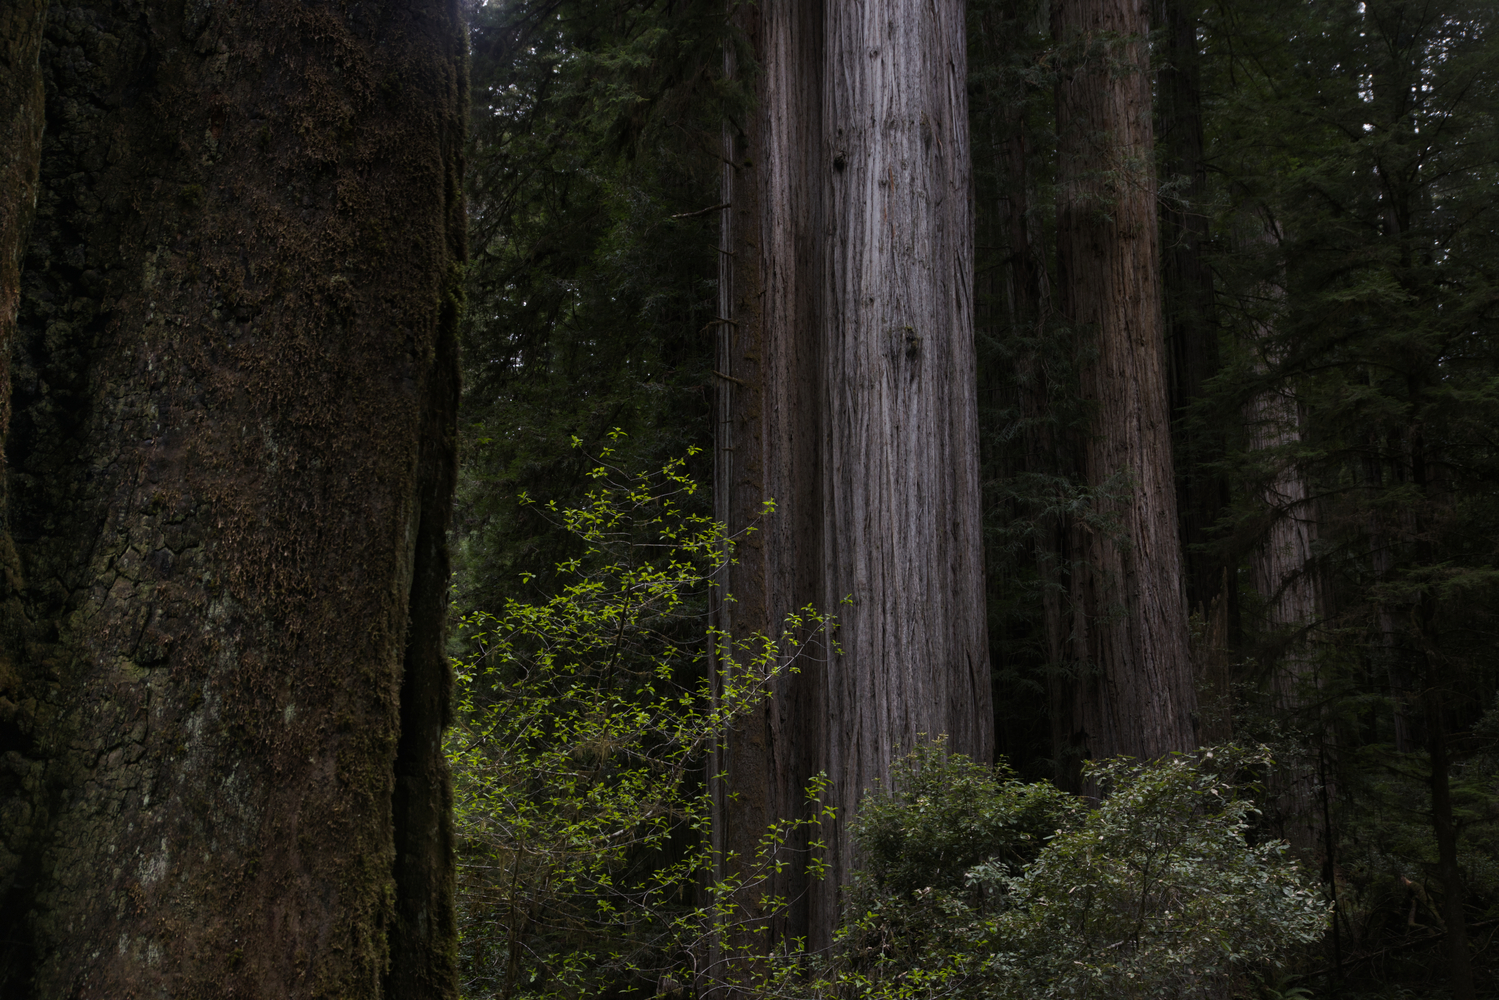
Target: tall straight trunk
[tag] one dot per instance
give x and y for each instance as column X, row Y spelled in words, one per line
column 848, row 362
column 231, row 459
column 1282, row 572
column 769, row 445
column 1130, row 620
column 1282, row 568
column 900, row 448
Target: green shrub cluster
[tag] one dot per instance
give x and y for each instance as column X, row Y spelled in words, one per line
column 978, row 885
column 584, row 723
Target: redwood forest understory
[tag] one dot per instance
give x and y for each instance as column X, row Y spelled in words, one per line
column 720, row 499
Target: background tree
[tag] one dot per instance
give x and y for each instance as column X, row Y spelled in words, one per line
column 1136, row 693
column 233, row 385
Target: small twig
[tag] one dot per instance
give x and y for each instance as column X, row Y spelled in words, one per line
column 714, row 322
column 701, row 211
column 730, row 378
column 1402, row 946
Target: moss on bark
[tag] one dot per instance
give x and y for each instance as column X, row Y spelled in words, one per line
column 233, row 391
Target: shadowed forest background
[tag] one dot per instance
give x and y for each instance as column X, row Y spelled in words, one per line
column 1327, row 255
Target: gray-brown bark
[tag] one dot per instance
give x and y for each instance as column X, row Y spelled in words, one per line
column 1129, row 623
column 1282, row 570
column 850, row 344
column 231, row 462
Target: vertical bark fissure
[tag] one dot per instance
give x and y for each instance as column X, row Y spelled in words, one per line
column 423, row 935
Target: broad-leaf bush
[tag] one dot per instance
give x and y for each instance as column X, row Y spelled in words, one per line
column 582, row 728
column 981, row 886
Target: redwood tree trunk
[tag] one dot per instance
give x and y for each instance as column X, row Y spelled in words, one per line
column 1130, row 621
column 231, row 453
column 768, row 440
column 850, row 363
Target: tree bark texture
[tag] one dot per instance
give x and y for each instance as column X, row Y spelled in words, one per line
column 233, row 382
column 851, row 403
column 1137, row 693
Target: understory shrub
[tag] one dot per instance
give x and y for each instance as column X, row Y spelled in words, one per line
column 977, row 885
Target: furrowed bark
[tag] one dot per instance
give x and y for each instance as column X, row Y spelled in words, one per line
column 1282, row 567
column 900, row 446
column 853, row 407
column 231, row 461
column 1282, row 571
column 1130, row 624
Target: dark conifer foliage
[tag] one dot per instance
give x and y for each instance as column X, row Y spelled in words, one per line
column 1358, row 258
column 592, row 284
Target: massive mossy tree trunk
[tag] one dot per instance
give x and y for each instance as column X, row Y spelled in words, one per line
column 1137, row 692
column 848, row 363
column 233, row 381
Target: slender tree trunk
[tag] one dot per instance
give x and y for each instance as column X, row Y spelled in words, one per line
column 1282, row 572
column 1130, row 623
column 1438, row 682
column 851, row 368
column 231, row 460
column 1459, row 963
